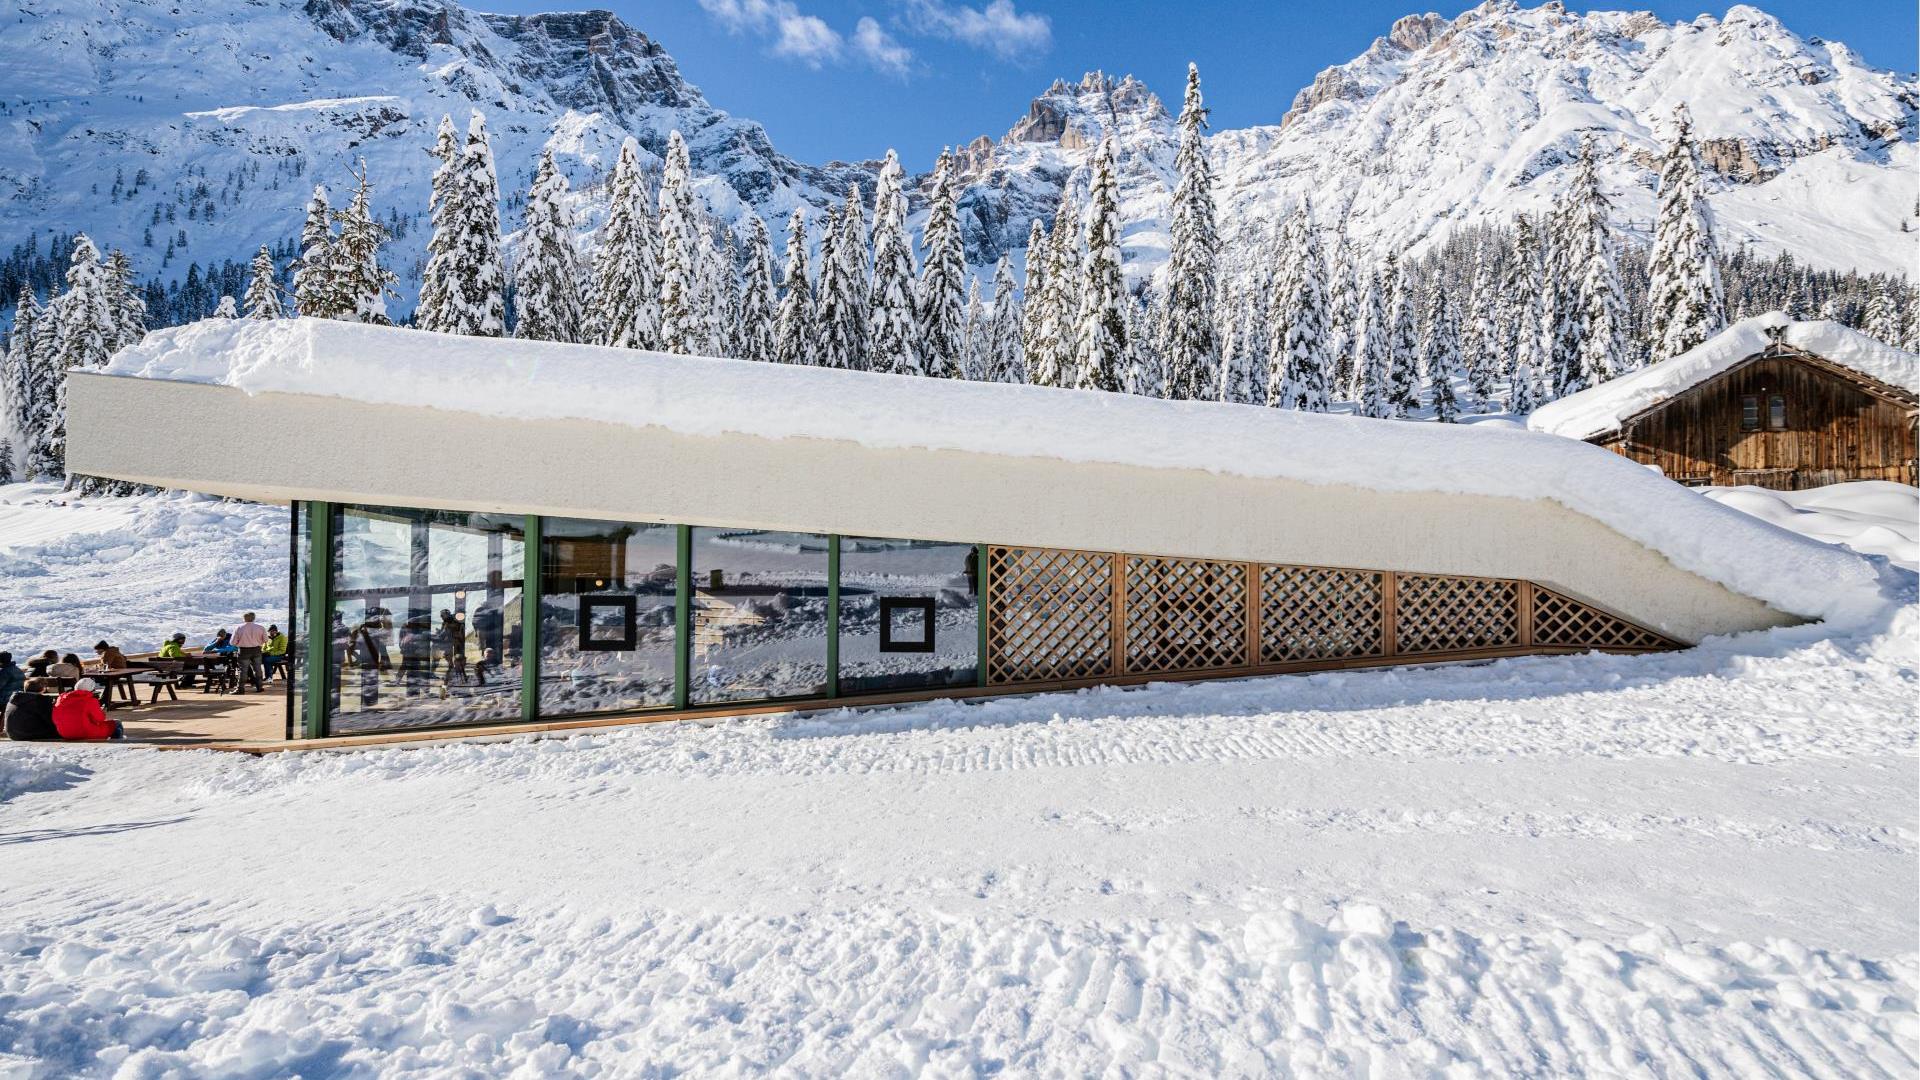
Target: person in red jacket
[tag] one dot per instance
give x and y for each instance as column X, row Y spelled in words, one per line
column 78, row 717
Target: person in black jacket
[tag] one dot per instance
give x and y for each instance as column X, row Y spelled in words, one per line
column 11, row 678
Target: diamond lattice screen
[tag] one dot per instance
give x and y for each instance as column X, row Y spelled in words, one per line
column 1450, row 614
column 1185, row 615
column 1562, row 620
column 1049, row 615
column 1319, row 613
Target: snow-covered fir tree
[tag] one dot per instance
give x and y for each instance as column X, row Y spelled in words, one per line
column 1190, row 341
column 892, row 343
column 719, row 289
column 1373, row 349
column 626, row 282
column 1144, row 371
column 82, row 337
column 942, row 290
column 758, row 307
column 1882, row 321
column 263, row 287
column 857, row 256
column 1684, row 299
column 842, row 310
column 1402, row 338
column 1478, row 351
column 123, row 296
column 7, row 473
column 1523, row 313
column 1589, row 347
column 1283, row 246
column 313, row 293
column 1004, row 325
column 464, row 269
column 1033, row 308
column 360, row 286
column 1060, row 305
column 1341, row 302
column 974, row 361
column 1440, row 345
column 443, row 202
column 18, row 392
column 1309, row 366
column 679, row 247
column 1243, row 354
column 226, row 308
column 795, row 333
column 546, row 276
column 1100, row 336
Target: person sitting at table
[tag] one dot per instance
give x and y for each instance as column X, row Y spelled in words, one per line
column 108, row 658
column 78, row 717
column 221, row 645
column 68, row 668
column 12, row 679
column 174, row 648
column 275, row 652
column 37, row 668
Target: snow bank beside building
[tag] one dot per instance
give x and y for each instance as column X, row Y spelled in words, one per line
column 1873, row 517
column 705, row 397
column 1604, row 408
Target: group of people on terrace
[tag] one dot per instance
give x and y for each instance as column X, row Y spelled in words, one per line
column 250, row 654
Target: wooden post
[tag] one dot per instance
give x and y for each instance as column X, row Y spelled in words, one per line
column 1118, row 666
column 981, row 578
column 1390, row 613
column 1255, row 612
column 1525, row 594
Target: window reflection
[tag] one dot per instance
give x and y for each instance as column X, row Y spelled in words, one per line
column 606, row 616
column 426, row 618
column 909, row 615
column 759, row 615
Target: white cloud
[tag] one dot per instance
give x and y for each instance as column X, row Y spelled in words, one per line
column 880, row 49
column 807, row 38
column 999, row 28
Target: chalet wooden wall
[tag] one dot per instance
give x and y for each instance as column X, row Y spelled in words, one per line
column 1837, row 429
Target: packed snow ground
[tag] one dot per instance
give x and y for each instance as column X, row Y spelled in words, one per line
column 1873, row 517
column 1703, row 861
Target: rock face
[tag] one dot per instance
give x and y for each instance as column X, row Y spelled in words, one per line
column 202, row 125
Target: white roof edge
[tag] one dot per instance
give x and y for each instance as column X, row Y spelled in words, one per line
column 705, row 396
column 1602, row 409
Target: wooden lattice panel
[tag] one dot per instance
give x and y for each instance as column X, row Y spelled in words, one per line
column 1454, row 614
column 1049, row 615
column 1562, row 620
column 1319, row 613
column 1184, row 615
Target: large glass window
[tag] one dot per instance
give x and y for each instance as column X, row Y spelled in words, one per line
column 909, row 615
column 606, row 616
column 759, row 615
column 426, row 618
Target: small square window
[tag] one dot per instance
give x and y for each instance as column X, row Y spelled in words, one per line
column 1776, row 413
column 1750, row 413
column 906, row 624
column 609, row 623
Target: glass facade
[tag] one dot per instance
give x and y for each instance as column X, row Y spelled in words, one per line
column 759, row 615
column 608, row 595
column 425, row 624
column 909, row 615
column 427, row 616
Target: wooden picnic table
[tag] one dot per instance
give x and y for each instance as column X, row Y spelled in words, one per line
column 122, row 678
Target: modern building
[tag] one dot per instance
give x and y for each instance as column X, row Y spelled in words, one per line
column 1767, row 402
column 495, row 533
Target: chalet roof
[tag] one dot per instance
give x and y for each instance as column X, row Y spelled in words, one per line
column 1605, row 408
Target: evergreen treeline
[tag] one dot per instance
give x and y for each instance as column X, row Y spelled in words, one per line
column 1494, row 318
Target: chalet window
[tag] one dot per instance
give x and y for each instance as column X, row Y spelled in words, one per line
column 1776, row 413
column 1750, row 413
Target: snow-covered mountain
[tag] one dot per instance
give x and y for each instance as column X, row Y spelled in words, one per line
column 1447, row 121
column 149, row 121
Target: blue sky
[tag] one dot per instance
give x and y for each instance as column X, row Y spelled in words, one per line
column 850, row 78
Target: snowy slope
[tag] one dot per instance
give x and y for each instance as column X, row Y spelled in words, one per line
column 133, row 570
column 700, row 396
column 243, row 105
column 1873, row 517
column 1603, row 408
column 1439, row 122
column 1447, row 121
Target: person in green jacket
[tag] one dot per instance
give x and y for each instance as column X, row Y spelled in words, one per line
column 175, row 648
column 274, row 652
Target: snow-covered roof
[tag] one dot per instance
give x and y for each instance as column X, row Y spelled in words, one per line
column 701, row 396
column 1604, row 408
